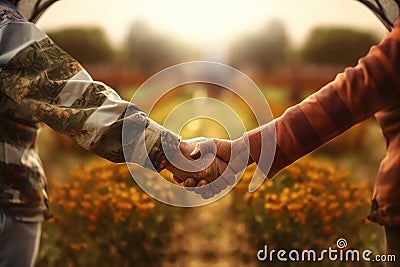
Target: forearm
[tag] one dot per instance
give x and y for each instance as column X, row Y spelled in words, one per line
column 56, row 89
column 352, row 97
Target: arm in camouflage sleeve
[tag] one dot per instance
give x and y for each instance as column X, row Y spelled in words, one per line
column 37, row 74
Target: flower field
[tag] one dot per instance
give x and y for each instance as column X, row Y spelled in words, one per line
column 101, row 218
column 310, row 205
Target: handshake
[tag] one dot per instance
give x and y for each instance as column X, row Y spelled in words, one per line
column 212, row 162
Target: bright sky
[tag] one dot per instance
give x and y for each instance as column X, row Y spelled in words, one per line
column 209, row 22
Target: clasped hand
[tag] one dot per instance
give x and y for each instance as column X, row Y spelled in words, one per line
column 208, row 166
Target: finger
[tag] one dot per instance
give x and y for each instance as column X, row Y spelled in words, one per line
column 204, row 147
column 201, row 186
column 177, row 179
column 196, row 153
column 215, row 189
column 197, row 139
column 189, row 184
column 207, row 194
column 221, row 183
column 202, row 182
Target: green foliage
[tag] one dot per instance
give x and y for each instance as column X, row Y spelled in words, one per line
column 87, row 45
column 264, row 50
column 340, row 46
column 150, row 51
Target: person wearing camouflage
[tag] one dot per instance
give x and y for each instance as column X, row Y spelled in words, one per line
column 39, row 82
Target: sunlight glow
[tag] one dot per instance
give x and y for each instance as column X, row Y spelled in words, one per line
column 208, row 22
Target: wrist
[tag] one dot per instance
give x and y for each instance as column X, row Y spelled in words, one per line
column 181, row 146
column 246, row 144
column 165, row 147
column 262, row 145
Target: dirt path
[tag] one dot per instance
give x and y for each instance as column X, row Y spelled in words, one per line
column 210, row 236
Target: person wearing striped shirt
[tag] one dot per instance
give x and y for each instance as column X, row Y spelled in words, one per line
column 371, row 88
column 39, row 82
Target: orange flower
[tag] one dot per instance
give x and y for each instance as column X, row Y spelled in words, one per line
column 92, row 228
column 77, row 247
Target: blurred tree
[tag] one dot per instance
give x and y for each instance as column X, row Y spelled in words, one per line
column 263, row 50
column 150, row 51
column 87, row 45
column 338, row 46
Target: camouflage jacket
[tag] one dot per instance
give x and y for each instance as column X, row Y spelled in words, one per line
column 39, row 82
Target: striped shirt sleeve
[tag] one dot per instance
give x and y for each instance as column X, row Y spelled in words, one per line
column 355, row 95
column 57, row 90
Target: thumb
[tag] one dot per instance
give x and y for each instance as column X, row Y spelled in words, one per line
column 196, row 153
column 203, row 147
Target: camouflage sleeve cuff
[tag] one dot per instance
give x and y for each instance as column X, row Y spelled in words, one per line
column 160, row 142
